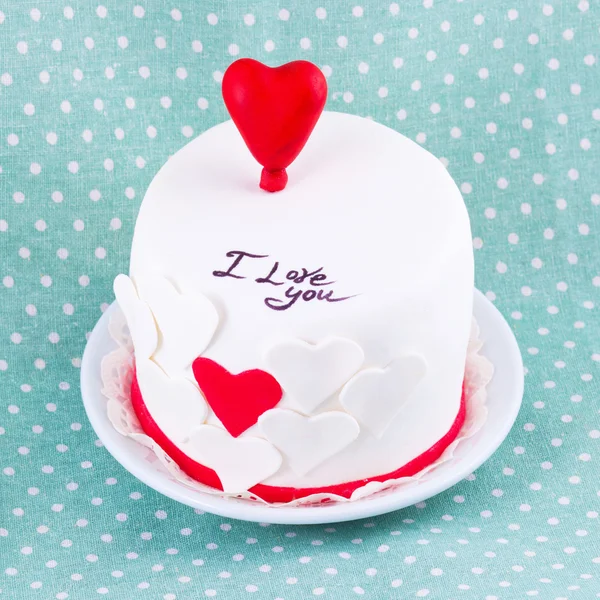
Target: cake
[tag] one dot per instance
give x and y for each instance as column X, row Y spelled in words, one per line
column 309, row 338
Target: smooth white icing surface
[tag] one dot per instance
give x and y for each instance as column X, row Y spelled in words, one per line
column 375, row 396
column 385, row 222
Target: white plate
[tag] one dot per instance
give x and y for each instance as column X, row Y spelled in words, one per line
column 504, row 400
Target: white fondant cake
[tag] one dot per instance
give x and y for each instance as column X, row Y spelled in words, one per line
column 347, row 296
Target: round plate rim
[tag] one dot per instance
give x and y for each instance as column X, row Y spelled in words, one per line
column 499, row 340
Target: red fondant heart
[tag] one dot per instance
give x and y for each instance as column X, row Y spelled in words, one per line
column 275, row 110
column 237, row 400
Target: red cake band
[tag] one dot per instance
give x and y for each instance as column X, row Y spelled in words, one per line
column 271, row 493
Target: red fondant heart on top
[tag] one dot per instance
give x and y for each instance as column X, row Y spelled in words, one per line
column 275, row 110
column 237, row 400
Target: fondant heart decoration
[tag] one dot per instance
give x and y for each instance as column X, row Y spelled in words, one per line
column 186, row 322
column 311, row 373
column 375, row 396
column 275, row 110
column 306, row 442
column 239, row 463
column 175, row 404
column 138, row 316
column 237, row 400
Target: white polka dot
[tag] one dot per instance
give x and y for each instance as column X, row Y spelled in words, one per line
column 122, row 42
column 583, row 229
column 212, row 19
column 378, row 38
column 160, row 42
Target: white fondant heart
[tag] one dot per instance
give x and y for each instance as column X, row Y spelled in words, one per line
column 138, row 315
column 311, row 373
column 240, row 462
column 375, row 396
column 308, row 441
column 176, row 404
column 186, row 322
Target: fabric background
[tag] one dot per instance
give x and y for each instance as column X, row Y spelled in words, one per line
column 94, row 98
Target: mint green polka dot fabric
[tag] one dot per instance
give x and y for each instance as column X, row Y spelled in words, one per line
column 95, row 97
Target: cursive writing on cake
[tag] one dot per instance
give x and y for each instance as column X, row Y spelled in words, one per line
column 302, row 284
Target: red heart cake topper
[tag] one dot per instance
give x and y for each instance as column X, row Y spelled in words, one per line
column 237, row 400
column 275, row 110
